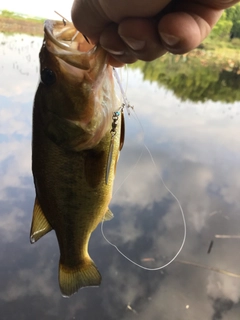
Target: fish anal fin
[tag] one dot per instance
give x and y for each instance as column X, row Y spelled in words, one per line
column 108, row 215
column 72, row 279
column 40, row 225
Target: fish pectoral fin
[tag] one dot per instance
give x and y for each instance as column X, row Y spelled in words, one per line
column 40, row 225
column 84, row 275
column 108, row 215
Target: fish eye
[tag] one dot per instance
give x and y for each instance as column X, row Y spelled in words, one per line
column 48, row 77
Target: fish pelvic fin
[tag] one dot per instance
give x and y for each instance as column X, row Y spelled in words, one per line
column 72, row 279
column 40, row 225
column 108, row 215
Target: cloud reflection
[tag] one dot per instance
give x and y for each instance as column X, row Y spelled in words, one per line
column 196, row 150
column 200, row 175
column 19, row 66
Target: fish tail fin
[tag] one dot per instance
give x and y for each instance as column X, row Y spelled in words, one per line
column 73, row 278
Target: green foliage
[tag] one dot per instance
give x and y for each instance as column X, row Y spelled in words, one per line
column 236, row 29
column 228, row 26
column 216, row 43
column 6, row 13
column 223, row 28
column 194, row 78
column 14, row 15
column 233, row 15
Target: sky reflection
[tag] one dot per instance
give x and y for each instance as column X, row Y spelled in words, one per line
column 196, row 151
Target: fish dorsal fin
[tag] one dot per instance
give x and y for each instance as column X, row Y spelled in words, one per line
column 108, row 215
column 40, row 225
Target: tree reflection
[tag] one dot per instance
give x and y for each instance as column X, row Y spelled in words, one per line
column 197, row 76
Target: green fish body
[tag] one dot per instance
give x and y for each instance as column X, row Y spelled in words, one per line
column 72, row 122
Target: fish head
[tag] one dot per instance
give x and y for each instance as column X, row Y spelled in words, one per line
column 76, row 93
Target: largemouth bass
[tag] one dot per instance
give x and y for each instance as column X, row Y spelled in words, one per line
column 77, row 136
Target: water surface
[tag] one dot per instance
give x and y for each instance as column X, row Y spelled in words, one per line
column 195, row 146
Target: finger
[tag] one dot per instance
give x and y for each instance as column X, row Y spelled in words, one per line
column 142, row 38
column 112, row 42
column 219, row 4
column 133, row 39
column 115, row 63
column 89, row 18
column 183, row 31
column 92, row 16
column 117, row 10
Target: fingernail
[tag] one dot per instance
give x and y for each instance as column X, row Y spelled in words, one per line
column 169, row 39
column 134, row 43
column 115, row 52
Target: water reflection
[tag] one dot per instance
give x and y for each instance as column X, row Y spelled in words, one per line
column 196, row 150
column 198, row 76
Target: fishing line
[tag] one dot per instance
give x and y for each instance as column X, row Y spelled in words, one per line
column 64, row 19
column 126, row 103
column 124, row 97
column 139, row 158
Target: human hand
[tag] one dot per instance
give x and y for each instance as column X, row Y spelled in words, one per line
column 130, row 30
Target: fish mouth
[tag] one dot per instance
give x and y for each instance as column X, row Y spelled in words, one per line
column 86, row 79
column 64, row 41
